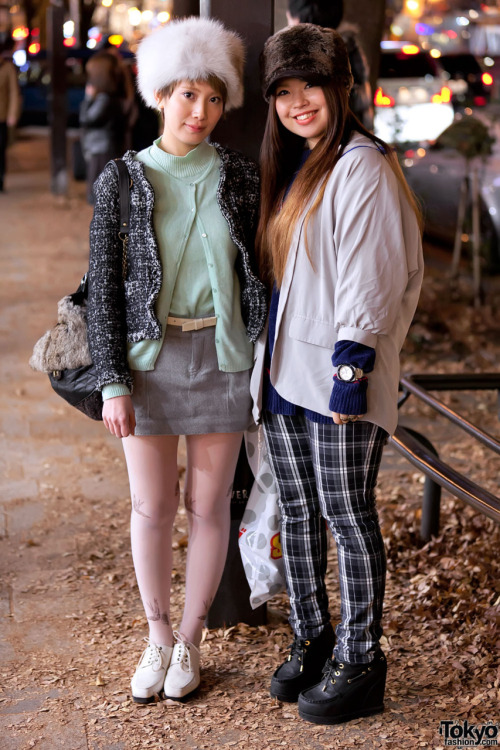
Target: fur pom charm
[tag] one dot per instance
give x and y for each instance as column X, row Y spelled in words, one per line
column 191, row 49
column 64, row 347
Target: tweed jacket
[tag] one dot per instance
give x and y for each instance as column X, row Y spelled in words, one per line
column 123, row 310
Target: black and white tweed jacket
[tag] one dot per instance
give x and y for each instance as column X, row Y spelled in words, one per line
column 124, row 311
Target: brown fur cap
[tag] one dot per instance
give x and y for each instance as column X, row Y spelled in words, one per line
column 305, row 51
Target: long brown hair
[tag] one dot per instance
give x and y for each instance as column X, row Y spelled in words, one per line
column 279, row 156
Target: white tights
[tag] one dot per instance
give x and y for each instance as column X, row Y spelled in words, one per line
column 154, row 489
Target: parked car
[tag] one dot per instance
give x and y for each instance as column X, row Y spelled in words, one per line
column 436, row 178
column 412, row 100
column 470, row 83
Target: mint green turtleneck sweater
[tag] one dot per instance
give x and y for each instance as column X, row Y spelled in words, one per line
column 197, row 256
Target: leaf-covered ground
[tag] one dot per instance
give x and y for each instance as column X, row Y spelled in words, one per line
column 72, row 622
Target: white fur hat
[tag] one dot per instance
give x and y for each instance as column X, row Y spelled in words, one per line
column 191, row 49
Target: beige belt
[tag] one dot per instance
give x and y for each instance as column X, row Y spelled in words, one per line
column 192, row 324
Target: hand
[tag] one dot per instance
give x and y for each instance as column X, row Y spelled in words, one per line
column 118, row 416
column 345, row 418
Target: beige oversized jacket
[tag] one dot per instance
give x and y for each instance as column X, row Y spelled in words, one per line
column 10, row 97
column 367, row 252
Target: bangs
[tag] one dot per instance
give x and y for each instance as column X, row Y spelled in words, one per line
column 213, row 81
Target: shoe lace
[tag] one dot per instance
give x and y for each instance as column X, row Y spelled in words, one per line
column 298, row 649
column 185, row 649
column 152, row 656
column 331, row 670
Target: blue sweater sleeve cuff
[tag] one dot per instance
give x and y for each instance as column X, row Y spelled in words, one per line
column 352, row 353
column 349, row 398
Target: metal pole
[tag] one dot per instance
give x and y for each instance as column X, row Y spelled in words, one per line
column 254, row 21
column 241, row 130
column 431, row 501
column 431, row 508
column 476, row 238
column 57, row 99
column 232, row 600
column 74, row 10
column 457, row 247
column 184, row 8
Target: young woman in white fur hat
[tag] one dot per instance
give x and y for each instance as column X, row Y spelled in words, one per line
column 173, row 343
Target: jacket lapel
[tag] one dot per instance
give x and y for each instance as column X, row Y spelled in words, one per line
column 289, row 272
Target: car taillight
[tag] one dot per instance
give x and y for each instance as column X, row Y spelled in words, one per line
column 381, row 99
column 410, row 49
column 480, row 101
column 487, row 79
column 444, row 96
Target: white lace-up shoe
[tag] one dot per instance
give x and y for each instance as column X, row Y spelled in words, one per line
column 183, row 674
column 150, row 673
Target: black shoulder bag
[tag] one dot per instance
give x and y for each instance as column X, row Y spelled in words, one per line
column 63, row 351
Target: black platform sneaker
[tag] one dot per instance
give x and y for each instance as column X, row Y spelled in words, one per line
column 346, row 692
column 303, row 666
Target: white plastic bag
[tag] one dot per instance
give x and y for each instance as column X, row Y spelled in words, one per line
column 259, row 536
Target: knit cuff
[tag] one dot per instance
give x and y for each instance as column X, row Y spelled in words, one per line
column 349, row 398
column 357, row 355
column 114, row 389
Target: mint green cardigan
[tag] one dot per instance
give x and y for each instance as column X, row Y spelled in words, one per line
column 197, row 256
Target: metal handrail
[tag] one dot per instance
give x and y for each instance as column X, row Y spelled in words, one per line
column 421, row 453
column 440, row 472
column 420, row 384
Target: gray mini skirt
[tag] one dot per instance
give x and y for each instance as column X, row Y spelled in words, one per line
column 186, row 393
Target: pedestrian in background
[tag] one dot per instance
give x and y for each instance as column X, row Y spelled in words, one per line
column 103, row 119
column 173, row 344
column 127, row 90
column 339, row 242
column 329, row 13
column 10, row 104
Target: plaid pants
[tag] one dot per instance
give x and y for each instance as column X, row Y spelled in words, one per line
column 330, row 472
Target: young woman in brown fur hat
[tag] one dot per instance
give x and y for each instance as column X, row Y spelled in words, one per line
column 339, row 243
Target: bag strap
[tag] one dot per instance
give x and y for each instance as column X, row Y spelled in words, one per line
column 81, row 294
column 124, row 185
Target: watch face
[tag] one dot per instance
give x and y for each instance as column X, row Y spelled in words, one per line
column 345, row 372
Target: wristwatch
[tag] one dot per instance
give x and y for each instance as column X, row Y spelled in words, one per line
column 348, row 373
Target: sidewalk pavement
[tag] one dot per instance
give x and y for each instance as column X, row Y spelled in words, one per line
column 51, row 487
